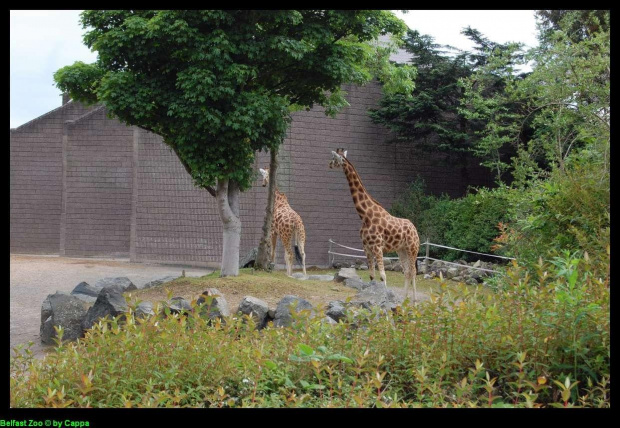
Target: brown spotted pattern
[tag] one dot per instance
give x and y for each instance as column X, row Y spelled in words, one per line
column 380, row 232
column 287, row 225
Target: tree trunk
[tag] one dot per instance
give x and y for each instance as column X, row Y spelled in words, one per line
column 227, row 196
column 264, row 247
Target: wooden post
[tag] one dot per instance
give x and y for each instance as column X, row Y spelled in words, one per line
column 426, row 259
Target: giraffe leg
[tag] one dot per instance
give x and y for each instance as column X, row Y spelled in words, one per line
column 378, row 255
column 274, row 241
column 288, row 254
column 301, row 242
column 303, row 255
column 404, row 261
column 371, row 262
column 413, row 255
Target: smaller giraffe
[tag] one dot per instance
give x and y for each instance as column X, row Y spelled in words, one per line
column 286, row 224
column 380, row 230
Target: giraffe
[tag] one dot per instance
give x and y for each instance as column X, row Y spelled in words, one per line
column 286, row 224
column 380, row 231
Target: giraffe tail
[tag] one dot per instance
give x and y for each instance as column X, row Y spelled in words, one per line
column 298, row 255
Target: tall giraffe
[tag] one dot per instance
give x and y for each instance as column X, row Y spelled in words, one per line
column 287, row 224
column 380, row 231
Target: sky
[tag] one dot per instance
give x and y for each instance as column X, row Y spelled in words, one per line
column 42, row 41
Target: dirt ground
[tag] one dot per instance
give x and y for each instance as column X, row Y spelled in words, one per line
column 33, row 277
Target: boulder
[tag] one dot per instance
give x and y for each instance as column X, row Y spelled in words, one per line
column 110, row 302
column 283, row 316
column 471, row 281
column 64, row 310
column 356, row 283
column 328, row 320
column 256, row 308
column 86, row 292
column 376, row 294
column 144, row 309
column 122, row 282
column 335, row 310
column 213, row 304
column 179, row 305
column 159, row 281
column 344, row 274
column 452, row 272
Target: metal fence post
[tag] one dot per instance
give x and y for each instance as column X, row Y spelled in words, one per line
column 426, row 259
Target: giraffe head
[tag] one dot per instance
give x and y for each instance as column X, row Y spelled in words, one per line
column 338, row 158
column 265, row 174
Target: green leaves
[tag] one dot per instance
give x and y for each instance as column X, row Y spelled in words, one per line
column 219, row 85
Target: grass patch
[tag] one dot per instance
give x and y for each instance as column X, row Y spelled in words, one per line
column 272, row 287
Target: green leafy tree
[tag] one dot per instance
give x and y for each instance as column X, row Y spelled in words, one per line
column 540, row 118
column 219, row 85
column 429, row 116
column 432, row 118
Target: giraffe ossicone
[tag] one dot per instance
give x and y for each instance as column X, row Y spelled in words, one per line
column 287, row 225
column 380, row 232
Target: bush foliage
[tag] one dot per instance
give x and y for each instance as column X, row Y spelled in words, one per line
column 541, row 340
column 469, row 223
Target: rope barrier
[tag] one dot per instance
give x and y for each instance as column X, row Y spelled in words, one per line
column 419, row 258
column 473, row 252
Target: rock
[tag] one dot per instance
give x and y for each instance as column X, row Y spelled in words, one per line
column 328, row 320
column 451, row 272
column 376, row 294
column 427, row 276
column 457, row 278
column 179, row 305
column 249, row 259
column 257, row 308
column 336, row 310
column 213, row 304
column 283, row 316
column 363, row 267
column 356, row 283
column 159, row 281
column 471, row 281
column 122, row 282
column 397, row 267
column 345, row 273
column 110, row 302
column 477, row 264
column 144, row 309
column 299, row 275
column 337, row 265
column 64, row 310
column 86, row 292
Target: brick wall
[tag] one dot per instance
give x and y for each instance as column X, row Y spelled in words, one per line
column 175, row 222
column 36, row 168
column 98, row 187
column 127, row 195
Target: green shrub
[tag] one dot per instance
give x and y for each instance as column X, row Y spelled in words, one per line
column 469, row 223
column 542, row 339
column 569, row 211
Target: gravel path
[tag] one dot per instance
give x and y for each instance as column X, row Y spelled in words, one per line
column 33, row 277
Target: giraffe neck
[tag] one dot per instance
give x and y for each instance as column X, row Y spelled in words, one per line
column 281, row 198
column 361, row 198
